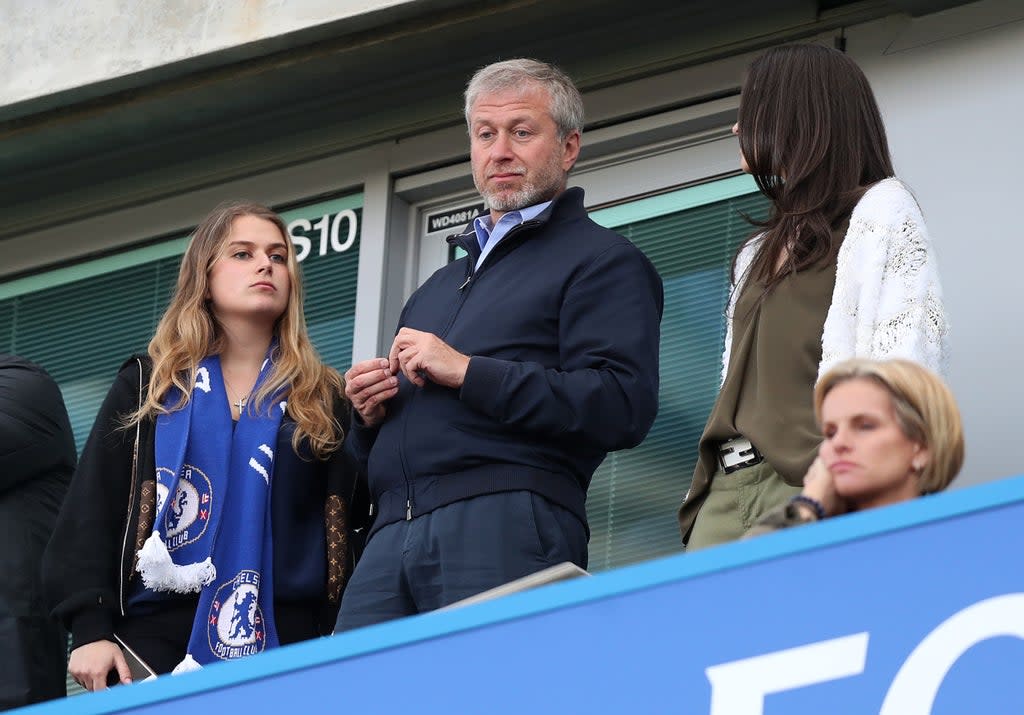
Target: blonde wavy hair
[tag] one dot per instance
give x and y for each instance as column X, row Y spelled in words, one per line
column 925, row 410
column 189, row 332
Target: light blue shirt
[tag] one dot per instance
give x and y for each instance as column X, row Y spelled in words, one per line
column 488, row 236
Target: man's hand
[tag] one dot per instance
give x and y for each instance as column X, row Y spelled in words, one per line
column 368, row 385
column 820, row 485
column 90, row 664
column 421, row 356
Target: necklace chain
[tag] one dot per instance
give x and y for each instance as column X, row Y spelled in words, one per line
column 242, row 399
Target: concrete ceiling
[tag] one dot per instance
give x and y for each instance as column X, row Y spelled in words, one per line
column 339, row 87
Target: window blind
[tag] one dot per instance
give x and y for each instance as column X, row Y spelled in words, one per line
column 635, row 493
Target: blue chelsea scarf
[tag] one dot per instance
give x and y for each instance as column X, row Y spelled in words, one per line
column 212, row 531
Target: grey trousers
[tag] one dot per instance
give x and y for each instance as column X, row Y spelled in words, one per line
column 458, row 551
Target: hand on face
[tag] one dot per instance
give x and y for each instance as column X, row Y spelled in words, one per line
column 820, row 485
column 368, row 386
column 422, row 356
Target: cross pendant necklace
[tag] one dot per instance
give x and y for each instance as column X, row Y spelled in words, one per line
column 242, row 399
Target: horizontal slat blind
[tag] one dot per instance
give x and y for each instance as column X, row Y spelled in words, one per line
column 331, row 303
column 81, row 332
column 635, row 493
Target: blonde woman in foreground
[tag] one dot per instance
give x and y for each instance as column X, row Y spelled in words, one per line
column 890, row 431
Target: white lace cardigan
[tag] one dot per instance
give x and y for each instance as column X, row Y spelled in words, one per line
column 887, row 300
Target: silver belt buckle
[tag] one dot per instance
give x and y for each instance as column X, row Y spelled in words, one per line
column 737, row 452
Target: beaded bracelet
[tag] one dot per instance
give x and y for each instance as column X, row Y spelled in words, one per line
column 816, row 506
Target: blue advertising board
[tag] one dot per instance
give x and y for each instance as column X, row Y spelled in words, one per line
column 906, row 610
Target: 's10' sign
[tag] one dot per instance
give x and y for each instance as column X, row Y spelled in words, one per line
column 338, row 232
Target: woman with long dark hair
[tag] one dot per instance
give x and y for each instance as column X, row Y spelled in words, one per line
column 208, row 516
column 841, row 268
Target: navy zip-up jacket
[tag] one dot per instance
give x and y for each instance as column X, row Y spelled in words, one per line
column 562, row 323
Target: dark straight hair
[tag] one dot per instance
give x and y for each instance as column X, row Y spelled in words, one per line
column 812, row 135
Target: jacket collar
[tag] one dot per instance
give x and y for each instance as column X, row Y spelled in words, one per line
column 567, row 205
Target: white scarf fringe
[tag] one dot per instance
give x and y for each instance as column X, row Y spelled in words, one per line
column 160, row 573
column 187, row 665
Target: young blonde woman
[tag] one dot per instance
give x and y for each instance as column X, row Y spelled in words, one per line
column 208, row 517
column 891, row 431
column 841, row 268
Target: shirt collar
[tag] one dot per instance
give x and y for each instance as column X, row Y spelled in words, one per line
column 483, row 225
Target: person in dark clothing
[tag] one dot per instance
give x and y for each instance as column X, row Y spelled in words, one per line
column 208, row 517
column 37, row 458
column 514, row 370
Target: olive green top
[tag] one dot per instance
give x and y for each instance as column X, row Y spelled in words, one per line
column 768, row 393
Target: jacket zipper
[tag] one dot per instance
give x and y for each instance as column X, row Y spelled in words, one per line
column 131, row 499
column 503, row 247
column 351, row 552
column 404, row 462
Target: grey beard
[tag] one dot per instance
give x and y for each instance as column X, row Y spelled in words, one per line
column 545, row 185
column 527, row 196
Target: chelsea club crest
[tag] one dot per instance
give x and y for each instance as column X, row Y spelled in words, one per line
column 235, row 626
column 188, row 514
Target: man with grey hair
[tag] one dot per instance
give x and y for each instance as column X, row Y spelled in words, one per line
column 514, row 371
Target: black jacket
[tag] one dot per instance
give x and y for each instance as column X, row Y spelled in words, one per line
column 88, row 566
column 562, row 321
column 37, row 457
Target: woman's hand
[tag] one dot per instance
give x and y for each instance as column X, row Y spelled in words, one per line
column 91, row 663
column 820, row 486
